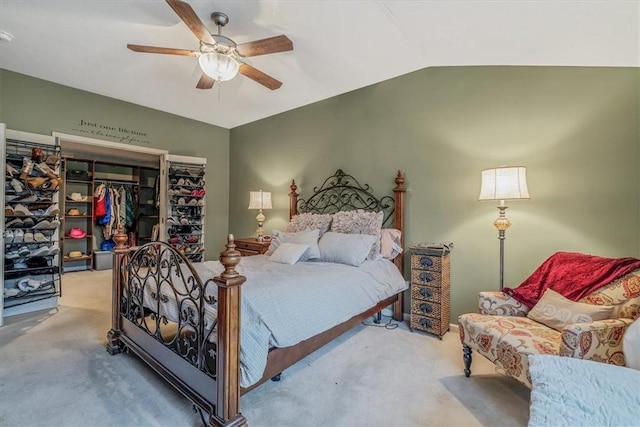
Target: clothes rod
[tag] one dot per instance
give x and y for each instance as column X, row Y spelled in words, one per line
column 115, row 181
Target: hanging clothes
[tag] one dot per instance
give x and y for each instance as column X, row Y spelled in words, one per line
column 99, row 201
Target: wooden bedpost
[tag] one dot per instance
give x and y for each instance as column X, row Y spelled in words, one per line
column 228, row 353
column 120, row 253
column 293, row 199
column 398, row 223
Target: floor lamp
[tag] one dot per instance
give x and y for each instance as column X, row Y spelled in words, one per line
column 503, row 183
column 260, row 200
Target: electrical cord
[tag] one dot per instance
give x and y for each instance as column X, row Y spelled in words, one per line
column 389, row 325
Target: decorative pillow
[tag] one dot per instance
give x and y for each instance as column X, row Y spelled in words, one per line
column 309, row 237
column 350, row 249
column 390, row 243
column 556, row 311
column 631, row 345
column 310, row 221
column 288, row 253
column 360, row 222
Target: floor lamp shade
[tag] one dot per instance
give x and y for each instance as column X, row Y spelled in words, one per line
column 503, row 183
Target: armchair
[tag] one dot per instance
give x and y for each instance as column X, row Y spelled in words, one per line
column 502, row 332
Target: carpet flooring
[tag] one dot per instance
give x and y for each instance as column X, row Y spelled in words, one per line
column 55, row 371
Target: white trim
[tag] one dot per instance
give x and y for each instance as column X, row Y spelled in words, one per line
column 108, row 144
column 186, row 159
column 29, row 137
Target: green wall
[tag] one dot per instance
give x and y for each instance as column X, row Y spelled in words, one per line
column 576, row 130
column 33, row 105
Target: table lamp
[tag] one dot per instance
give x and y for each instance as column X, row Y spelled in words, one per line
column 260, row 200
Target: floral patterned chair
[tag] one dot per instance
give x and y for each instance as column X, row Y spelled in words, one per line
column 502, row 333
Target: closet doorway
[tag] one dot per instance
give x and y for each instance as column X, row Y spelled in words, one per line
column 127, row 181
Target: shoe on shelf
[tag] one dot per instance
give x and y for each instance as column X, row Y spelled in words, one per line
column 21, row 209
column 41, row 251
column 55, row 223
column 54, row 250
column 14, row 223
column 52, row 160
column 8, row 236
column 12, row 255
column 43, row 224
column 27, row 168
column 28, row 284
column 26, row 198
column 10, row 171
column 28, row 237
column 24, row 251
column 27, row 222
column 18, row 236
column 17, row 186
column 201, row 202
column 40, row 238
column 11, row 292
column 45, row 169
column 8, row 210
column 52, row 210
column 193, row 202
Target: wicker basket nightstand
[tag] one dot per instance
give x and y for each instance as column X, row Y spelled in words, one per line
column 430, row 290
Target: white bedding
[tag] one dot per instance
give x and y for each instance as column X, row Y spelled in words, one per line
column 574, row 392
column 284, row 304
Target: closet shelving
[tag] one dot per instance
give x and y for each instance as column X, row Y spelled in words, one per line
column 186, row 205
column 31, row 219
column 149, row 205
column 139, row 182
column 78, row 189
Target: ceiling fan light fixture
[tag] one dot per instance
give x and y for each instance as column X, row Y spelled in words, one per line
column 219, row 66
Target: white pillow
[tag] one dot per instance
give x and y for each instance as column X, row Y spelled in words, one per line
column 288, row 253
column 390, row 243
column 350, row 249
column 308, row 237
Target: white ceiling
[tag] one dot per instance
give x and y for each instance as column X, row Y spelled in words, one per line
column 339, row 46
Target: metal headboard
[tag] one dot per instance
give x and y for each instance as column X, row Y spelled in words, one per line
column 342, row 192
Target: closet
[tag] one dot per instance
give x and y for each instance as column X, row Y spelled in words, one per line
column 101, row 197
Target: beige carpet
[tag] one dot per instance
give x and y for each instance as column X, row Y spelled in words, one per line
column 54, row 371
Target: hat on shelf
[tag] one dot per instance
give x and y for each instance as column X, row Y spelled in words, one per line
column 77, row 197
column 107, row 245
column 73, row 212
column 77, row 233
column 75, row 254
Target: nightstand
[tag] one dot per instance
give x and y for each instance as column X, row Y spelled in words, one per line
column 248, row 246
column 430, row 290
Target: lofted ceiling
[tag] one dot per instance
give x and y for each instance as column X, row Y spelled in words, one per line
column 339, row 46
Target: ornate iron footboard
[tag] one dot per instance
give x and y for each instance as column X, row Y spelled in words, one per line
column 187, row 330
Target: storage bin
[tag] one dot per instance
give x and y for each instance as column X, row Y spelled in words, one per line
column 103, row 260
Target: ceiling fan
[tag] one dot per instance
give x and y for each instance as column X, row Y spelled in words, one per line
column 220, row 57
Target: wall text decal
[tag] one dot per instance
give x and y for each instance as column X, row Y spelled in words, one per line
column 117, row 133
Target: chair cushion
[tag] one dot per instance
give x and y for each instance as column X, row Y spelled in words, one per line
column 507, row 340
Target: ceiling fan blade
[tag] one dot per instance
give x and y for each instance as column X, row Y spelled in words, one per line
column 189, row 17
column 163, row 50
column 260, row 77
column 205, row 82
column 265, row 46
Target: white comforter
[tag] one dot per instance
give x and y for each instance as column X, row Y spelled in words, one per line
column 284, row 304
column 574, row 392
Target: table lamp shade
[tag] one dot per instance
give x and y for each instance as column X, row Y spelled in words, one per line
column 504, row 183
column 260, row 200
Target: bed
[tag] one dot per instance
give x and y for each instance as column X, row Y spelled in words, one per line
column 187, row 320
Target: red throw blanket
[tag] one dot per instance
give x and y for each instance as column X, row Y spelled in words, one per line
column 573, row 275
